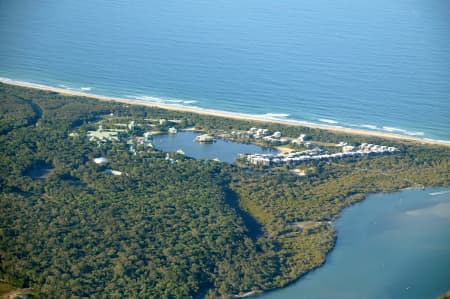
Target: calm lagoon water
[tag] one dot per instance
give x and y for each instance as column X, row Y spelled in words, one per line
column 393, row 245
column 225, row 151
column 379, row 65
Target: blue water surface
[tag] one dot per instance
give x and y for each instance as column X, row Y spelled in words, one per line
column 390, row 246
column 223, row 150
column 379, row 65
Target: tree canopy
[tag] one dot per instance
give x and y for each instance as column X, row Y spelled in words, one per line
column 169, row 228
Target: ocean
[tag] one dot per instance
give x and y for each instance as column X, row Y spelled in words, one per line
column 375, row 65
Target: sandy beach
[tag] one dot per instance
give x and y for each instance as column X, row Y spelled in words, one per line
column 233, row 115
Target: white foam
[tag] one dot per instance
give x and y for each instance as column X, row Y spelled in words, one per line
column 65, row 87
column 177, row 102
column 275, row 115
column 390, row 129
column 173, row 101
column 402, row 131
column 372, row 127
column 145, row 98
column 187, row 102
column 414, row 133
column 439, row 193
column 86, row 88
column 184, row 102
column 328, row 121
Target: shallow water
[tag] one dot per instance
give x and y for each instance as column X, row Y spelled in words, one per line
column 393, row 245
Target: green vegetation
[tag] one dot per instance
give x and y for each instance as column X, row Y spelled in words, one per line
column 178, row 228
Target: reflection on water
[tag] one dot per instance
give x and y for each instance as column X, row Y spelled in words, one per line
column 439, row 210
column 224, row 150
column 394, row 245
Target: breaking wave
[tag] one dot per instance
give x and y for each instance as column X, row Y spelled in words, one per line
column 371, row 127
column 65, row 87
column 163, row 101
column 274, row 115
column 439, row 193
column 402, row 131
column 328, row 121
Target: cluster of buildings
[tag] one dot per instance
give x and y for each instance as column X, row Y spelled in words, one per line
column 274, row 138
column 144, row 140
column 162, row 121
column 368, row 148
column 317, row 154
column 108, row 135
column 262, row 134
column 103, row 135
column 302, row 140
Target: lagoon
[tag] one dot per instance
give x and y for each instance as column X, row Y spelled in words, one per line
column 224, row 150
column 391, row 245
column 394, row 245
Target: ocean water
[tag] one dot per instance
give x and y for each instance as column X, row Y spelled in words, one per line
column 393, row 245
column 376, row 65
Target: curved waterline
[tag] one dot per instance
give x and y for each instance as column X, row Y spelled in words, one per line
column 268, row 117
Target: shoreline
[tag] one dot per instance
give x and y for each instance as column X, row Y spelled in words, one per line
column 225, row 114
column 219, row 114
column 261, row 293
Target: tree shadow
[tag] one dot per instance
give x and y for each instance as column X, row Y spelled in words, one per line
column 254, row 229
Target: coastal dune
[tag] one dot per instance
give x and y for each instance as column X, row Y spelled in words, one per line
column 233, row 115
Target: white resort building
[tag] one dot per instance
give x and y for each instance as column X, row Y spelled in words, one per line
column 317, row 154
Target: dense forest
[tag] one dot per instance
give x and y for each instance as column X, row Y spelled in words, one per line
column 169, row 228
